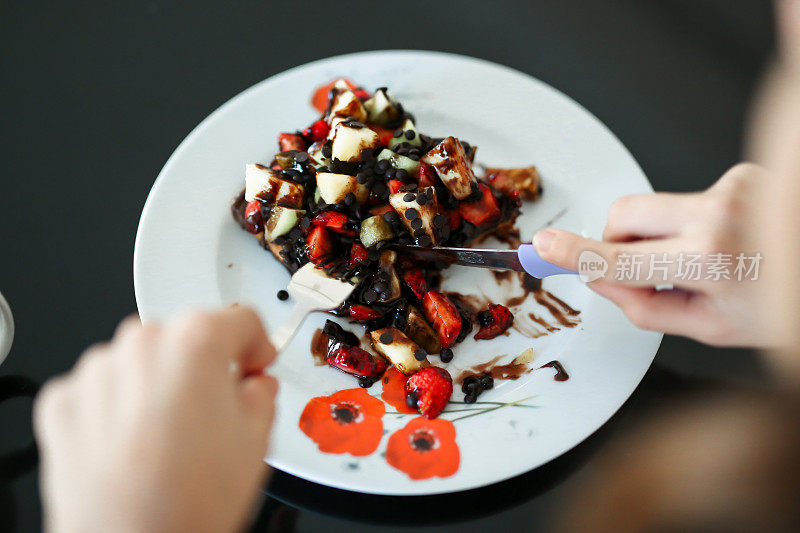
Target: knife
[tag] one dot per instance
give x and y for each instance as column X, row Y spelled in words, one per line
column 523, row 259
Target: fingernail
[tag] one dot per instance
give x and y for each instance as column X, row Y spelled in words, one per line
column 543, row 240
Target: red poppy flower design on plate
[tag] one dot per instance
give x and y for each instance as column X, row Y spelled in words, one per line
column 348, row 421
column 424, row 449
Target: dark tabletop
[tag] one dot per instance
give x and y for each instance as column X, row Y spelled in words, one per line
column 94, row 99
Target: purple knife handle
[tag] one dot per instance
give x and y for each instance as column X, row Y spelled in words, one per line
column 536, row 266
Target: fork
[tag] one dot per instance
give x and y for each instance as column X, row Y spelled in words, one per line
column 311, row 289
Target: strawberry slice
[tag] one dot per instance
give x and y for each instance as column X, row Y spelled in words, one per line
column 482, row 211
column 427, row 176
column 362, row 312
column 380, row 210
column 318, row 131
column 358, row 255
column 384, row 134
column 319, row 245
column 334, row 221
column 353, row 360
column 494, row 321
column 453, row 219
column 503, row 183
column 252, row 215
column 291, row 141
column 430, row 389
column 395, row 186
column 320, row 97
column 444, row 316
column 415, row 279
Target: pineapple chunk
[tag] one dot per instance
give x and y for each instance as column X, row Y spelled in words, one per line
column 451, row 163
column 350, row 138
column 425, row 213
column 334, row 187
column 400, row 351
column 265, row 184
column 382, row 108
column 346, row 104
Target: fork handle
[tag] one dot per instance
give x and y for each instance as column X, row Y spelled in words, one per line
column 281, row 337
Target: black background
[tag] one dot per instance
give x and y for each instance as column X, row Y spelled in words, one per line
column 95, row 97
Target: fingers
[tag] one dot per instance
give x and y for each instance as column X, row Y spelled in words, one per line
column 649, row 215
column 213, row 340
column 672, row 311
column 788, row 26
column 640, row 263
column 258, row 395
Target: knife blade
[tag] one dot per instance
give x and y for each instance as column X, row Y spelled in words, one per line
column 476, row 257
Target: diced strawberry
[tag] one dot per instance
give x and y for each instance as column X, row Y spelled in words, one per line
column 384, row 134
column 358, row 255
column 276, row 166
column 427, row 176
column 362, row 312
column 380, row 210
column 361, row 94
column 335, row 221
column 319, row 245
column 317, row 131
column 494, row 321
column 415, row 279
column 320, row 97
column 291, row 141
column 444, row 316
column 482, row 211
column 395, row 186
column 503, row 183
column 453, row 219
column 431, row 389
column 353, row 360
column 252, row 215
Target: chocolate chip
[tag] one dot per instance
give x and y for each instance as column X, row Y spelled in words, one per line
column 386, row 338
column 419, row 232
column 422, row 199
column 420, row 355
column 410, row 134
column 283, row 295
column 361, row 178
column 389, row 174
column 301, row 157
column 470, row 398
column 380, row 286
column 370, row 296
column 487, row 382
column 326, row 150
column 398, row 132
column 416, row 223
column 425, row 240
column 411, row 400
column 401, row 174
column 305, row 222
column 413, row 157
column 390, row 217
column 366, row 154
column 408, row 197
column 379, row 188
column 429, row 192
column 412, row 213
column 446, row 355
column 349, row 199
column 439, row 220
column 381, row 166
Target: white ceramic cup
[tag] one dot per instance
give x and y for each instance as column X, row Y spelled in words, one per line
column 6, row 328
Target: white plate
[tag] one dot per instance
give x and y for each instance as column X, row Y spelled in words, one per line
column 189, row 251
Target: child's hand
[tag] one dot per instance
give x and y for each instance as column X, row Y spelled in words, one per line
column 155, row 432
column 643, row 228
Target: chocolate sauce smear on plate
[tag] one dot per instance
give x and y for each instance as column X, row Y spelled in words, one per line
column 561, row 374
column 510, row 370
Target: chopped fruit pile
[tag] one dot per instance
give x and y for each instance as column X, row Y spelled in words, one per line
column 348, row 188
